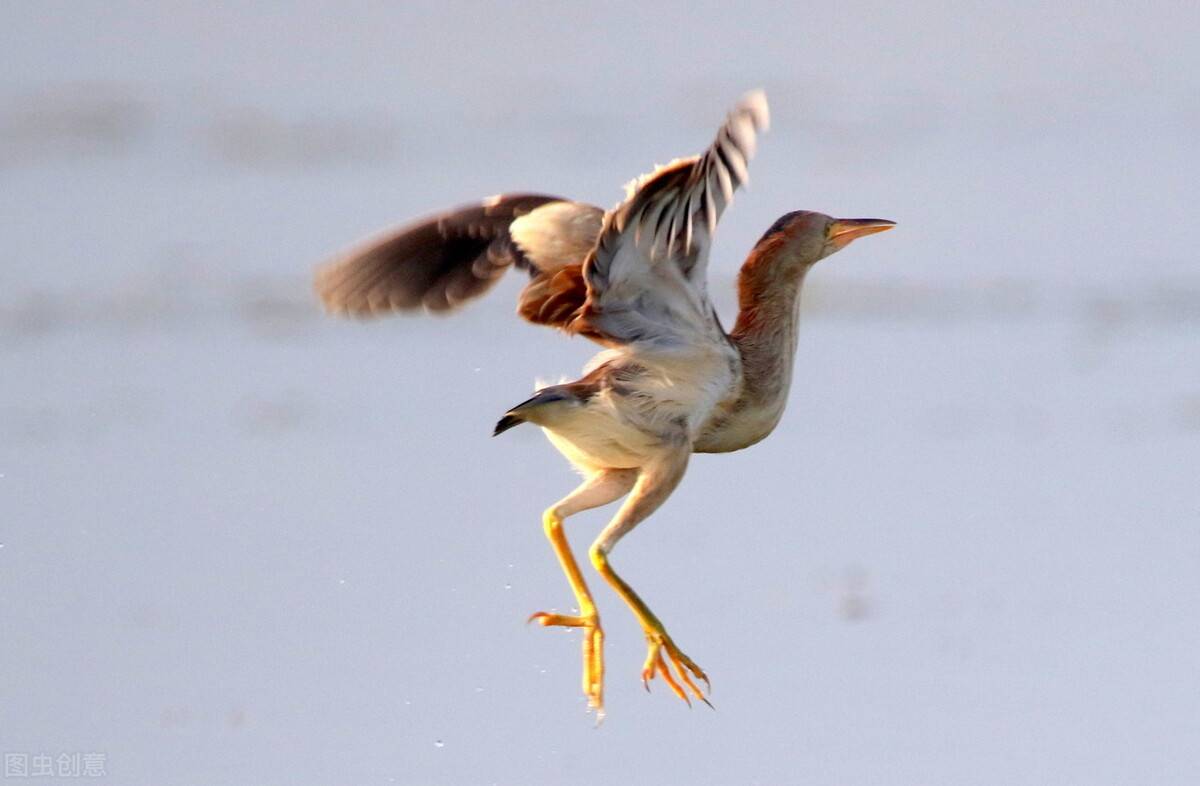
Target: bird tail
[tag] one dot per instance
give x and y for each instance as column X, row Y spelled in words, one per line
column 507, row 422
column 528, row 411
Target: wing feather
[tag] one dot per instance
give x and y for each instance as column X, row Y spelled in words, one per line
column 635, row 274
column 646, row 277
column 443, row 261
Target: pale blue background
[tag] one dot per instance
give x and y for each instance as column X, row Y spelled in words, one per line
column 244, row 544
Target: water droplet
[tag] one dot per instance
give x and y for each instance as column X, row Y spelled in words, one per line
column 507, row 586
column 341, row 581
column 439, row 744
column 510, row 565
column 479, row 689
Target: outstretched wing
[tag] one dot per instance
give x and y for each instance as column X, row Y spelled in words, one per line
column 646, row 278
column 615, row 277
column 443, row 261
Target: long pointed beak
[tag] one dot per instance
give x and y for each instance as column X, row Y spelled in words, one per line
column 843, row 230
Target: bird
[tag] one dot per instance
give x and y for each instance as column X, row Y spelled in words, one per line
column 669, row 380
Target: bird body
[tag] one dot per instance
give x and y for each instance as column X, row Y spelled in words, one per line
column 670, row 381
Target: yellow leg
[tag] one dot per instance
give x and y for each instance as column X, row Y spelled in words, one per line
column 599, row 489
column 588, row 619
column 657, row 639
column 655, row 482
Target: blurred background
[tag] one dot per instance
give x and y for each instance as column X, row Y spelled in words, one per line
column 243, row 543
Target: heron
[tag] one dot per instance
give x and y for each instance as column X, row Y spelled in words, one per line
column 670, row 381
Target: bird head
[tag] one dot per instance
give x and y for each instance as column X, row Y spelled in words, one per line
column 808, row 237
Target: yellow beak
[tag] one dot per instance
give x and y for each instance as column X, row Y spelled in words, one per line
column 843, row 230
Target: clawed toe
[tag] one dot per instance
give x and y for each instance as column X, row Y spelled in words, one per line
column 685, row 669
column 546, row 620
column 663, row 658
column 593, row 653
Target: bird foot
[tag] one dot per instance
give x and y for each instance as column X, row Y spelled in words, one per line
column 685, row 668
column 593, row 653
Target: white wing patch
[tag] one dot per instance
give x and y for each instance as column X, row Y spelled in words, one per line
column 558, row 234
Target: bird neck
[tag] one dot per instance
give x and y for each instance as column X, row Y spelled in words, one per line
column 768, row 316
column 765, row 337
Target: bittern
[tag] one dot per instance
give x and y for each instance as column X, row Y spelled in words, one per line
column 670, row 382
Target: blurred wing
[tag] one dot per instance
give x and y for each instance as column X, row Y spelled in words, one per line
column 646, row 278
column 443, row 261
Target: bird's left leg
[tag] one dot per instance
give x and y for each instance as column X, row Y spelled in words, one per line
column 656, row 481
column 600, row 489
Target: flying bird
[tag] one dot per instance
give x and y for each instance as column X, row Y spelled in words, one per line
column 670, row 382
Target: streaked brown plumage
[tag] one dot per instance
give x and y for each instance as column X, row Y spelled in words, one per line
column 672, row 381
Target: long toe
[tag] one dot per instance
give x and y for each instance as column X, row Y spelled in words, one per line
column 593, row 653
column 679, row 671
column 546, row 620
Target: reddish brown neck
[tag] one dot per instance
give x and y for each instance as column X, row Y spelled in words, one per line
column 765, row 333
column 765, row 336
column 767, row 287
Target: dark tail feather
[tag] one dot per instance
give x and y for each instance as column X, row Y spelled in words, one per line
column 507, row 422
column 549, row 395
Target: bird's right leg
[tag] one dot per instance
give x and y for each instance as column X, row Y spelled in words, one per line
column 600, row 489
column 656, row 480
